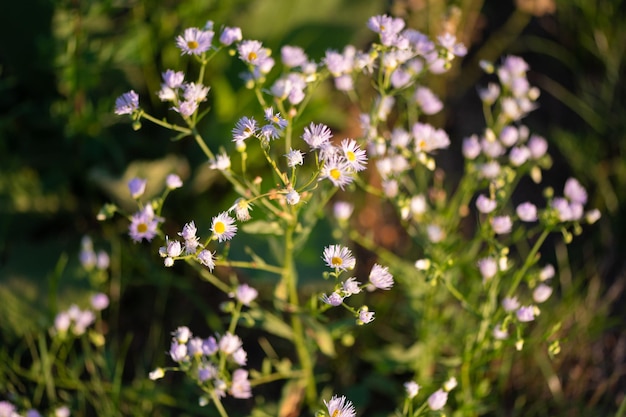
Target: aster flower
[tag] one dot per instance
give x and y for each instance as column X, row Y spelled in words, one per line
column 173, row 181
column 575, row 192
column 338, row 257
column 230, row 35
column 229, row 343
column 427, row 100
column 428, row 139
column 501, row 224
column 294, row 157
column 411, row 388
column 242, row 209
column 334, row 299
column 178, row 352
column 186, row 108
column 316, row 135
column 351, row 286
column 99, row 301
column 144, row 224
column 292, row 197
column 244, row 128
column 488, row 268
column 221, row 162
column 538, row 146
column 223, row 227
column 365, row 316
column 525, row 314
column 127, row 103
column 342, row 210
column 438, row 400
column 510, row 304
column 195, row 92
column 195, row 41
column 340, row 407
column 485, row 205
column 380, row 277
column 245, row 294
column 206, row 258
column 541, row 293
column 275, row 118
column 338, row 171
column 471, row 147
column 527, row 212
column 355, row 156
column 172, row 81
column 240, row 386
column 293, row 56
column 252, row 52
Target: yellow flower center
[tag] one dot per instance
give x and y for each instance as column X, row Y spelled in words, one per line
column 335, row 413
column 219, row 228
column 421, row 144
column 337, row 261
column 142, row 228
column 192, row 44
column 350, row 156
column 252, row 56
column 335, row 173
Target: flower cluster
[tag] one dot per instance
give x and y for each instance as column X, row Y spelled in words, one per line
column 208, row 362
column 7, row 409
column 340, row 259
column 75, row 320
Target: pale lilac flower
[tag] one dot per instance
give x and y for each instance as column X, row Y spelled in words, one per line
column 342, row 210
column 490, row 94
column 173, row 248
column 252, row 52
column 292, row 197
column 293, row 56
column 62, row 322
column 230, row 35
column 194, row 347
column 209, row 346
column 127, row 103
column 102, row 260
column 223, row 227
column 245, row 294
column 240, row 357
column 275, row 118
column 206, row 258
column 338, row 257
column 221, row 162
column 485, row 205
column 575, row 192
column 229, row 343
column 526, row 313
column 294, row 157
column 99, row 301
column 435, row 233
column 527, row 212
column 355, row 156
column 488, row 268
column 334, row 299
column 207, row 371
column 509, row 136
column 519, row 155
column 173, row 181
column 511, row 108
column 428, row 139
column 450, row 384
column 538, row 146
column 351, row 286
column 137, row 186
column 195, row 92
column 143, row 224
column 7, row 409
column 471, row 147
column 400, row 78
column 411, row 388
column 178, row 351
column 244, row 128
column 338, row 171
column 453, row 48
column 62, row 411
column 500, row 333
column 490, row 170
column 365, row 316
column 541, row 293
column 182, row 334
column 491, row 148
column 269, row 132
column 189, row 235
column 427, row 100
column 344, row 82
column 186, row 108
column 340, row 407
column 390, row 188
column 593, row 216
column 195, row 41
column 338, row 64
column 546, row 273
column 380, row 277
column 158, row 373
column 510, row 304
column 240, row 387
column 172, row 80
column 501, row 224
column 438, row 400
column 317, row 135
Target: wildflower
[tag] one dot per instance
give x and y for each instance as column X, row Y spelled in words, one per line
column 230, row 35
column 390, row 188
column 209, row 346
column 422, row 264
column 510, row 304
column 338, row 257
column 356, row 157
column 178, row 351
column 488, row 268
column 173, row 181
column 519, row 155
column 229, row 343
column 411, row 389
column 388, row 28
column 207, row 371
column 435, row 233
column 143, row 224
column 275, row 118
column 471, row 147
column 527, row 212
column 334, row 299
column 438, row 400
column 365, row 316
column 485, row 205
column 245, row 294
column 62, row 322
column 294, row 157
column 340, row 407
column 253, row 53
column 593, row 216
column 490, row 170
column 500, row 333
column 158, row 373
column 206, row 258
column 452, row 47
column 244, row 128
column 7, row 409
column 525, row 314
column 380, row 277
column 427, row 100
column 269, row 132
column 338, row 171
column 538, row 146
column 242, row 209
column 490, row 94
column 450, row 384
column 194, row 347
column 182, row 334
column 99, row 301
column 292, row 197
column 316, row 135
column 221, row 162
column 195, row 41
column 62, row 411
column 195, row 92
column 575, row 192
column 293, row 56
column 491, row 148
column 546, row 273
column 127, row 103
column 240, row 387
column 509, row 136
column 351, row 286
column 428, row 139
column 342, row 210
column 501, row 224
column 186, row 108
column 542, row 293
column 223, row 227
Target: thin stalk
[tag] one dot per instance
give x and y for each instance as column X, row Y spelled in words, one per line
column 218, row 404
column 166, row 125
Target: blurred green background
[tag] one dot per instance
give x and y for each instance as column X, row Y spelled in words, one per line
column 63, row 153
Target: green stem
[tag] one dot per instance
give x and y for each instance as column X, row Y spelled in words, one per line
column 218, row 404
column 203, row 145
column 166, row 125
column 530, row 260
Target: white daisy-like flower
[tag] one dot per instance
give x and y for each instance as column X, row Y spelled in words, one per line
column 339, row 257
column 223, row 227
column 380, row 277
column 340, row 407
column 355, row 156
column 338, row 171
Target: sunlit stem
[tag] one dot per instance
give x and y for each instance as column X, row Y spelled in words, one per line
column 218, row 404
column 166, row 125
